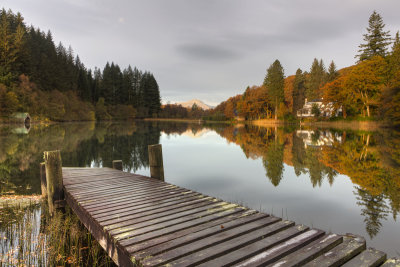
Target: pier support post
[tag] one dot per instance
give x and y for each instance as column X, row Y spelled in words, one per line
column 117, row 164
column 156, row 162
column 43, row 182
column 55, row 193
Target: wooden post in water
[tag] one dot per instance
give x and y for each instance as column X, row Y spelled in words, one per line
column 55, row 194
column 43, row 182
column 156, row 162
column 117, row 164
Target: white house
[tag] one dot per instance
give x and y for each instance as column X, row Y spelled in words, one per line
column 327, row 110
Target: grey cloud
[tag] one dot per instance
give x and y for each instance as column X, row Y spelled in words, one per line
column 208, row 49
column 206, row 52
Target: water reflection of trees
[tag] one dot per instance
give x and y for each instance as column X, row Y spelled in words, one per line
column 81, row 144
column 370, row 160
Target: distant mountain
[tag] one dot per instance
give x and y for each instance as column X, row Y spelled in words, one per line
column 198, row 103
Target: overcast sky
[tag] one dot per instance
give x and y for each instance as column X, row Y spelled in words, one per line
column 208, row 49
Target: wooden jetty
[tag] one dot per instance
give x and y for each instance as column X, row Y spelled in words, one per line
column 143, row 221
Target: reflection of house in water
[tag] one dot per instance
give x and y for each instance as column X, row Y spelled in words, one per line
column 326, row 109
column 318, row 138
column 23, row 120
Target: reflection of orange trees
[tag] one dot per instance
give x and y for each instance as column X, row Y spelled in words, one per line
column 371, row 161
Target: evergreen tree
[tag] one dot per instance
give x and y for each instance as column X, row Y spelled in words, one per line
column 376, row 39
column 12, row 32
column 298, row 91
column 315, row 80
column 274, row 81
column 396, row 42
column 332, row 72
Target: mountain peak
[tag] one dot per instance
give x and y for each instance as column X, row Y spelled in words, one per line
column 199, row 103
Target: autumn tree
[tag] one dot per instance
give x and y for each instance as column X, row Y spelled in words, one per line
column 390, row 102
column 336, row 93
column 366, row 82
column 376, row 39
column 274, row 82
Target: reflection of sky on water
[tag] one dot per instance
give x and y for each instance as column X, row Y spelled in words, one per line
column 210, row 165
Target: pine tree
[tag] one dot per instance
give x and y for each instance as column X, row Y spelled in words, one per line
column 274, row 81
column 376, row 39
column 332, row 72
column 315, row 80
column 396, row 42
column 298, row 91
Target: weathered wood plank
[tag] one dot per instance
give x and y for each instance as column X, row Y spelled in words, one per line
column 167, row 241
column 367, row 258
column 310, row 252
column 132, row 204
column 218, row 238
column 141, row 228
column 82, row 196
column 112, row 213
column 393, row 262
column 275, row 253
column 255, row 248
column 90, row 206
column 180, row 226
column 231, row 245
column 351, row 246
column 158, row 213
column 154, row 219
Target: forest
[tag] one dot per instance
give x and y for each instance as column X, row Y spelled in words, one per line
column 368, row 90
column 51, row 83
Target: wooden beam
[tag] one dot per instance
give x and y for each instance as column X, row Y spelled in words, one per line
column 54, row 178
column 156, row 162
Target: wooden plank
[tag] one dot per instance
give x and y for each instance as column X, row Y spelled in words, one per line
column 158, row 213
column 250, row 250
column 351, row 246
column 156, row 218
column 231, row 245
column 157, row 244
column 120, row 195
column 180, row 226
column 311, row 251
column 129, row 231
column 393, row 262
column 92, row 207
column 98, row 186
column 215, row 239
column 275, row 253
column 367, row 258
column 112, row 213
column 204, row 233
column 180, row 202
column 82, row 195
column 109, row 191
column 132, row 204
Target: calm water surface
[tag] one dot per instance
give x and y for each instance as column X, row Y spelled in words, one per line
column 336, row 180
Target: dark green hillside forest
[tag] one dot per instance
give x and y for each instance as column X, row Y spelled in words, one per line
column 51, row 83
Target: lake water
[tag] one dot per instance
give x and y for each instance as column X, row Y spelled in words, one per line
column 339, row 181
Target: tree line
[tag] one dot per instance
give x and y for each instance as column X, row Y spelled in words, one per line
column 49, row 81
column 370, row 89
